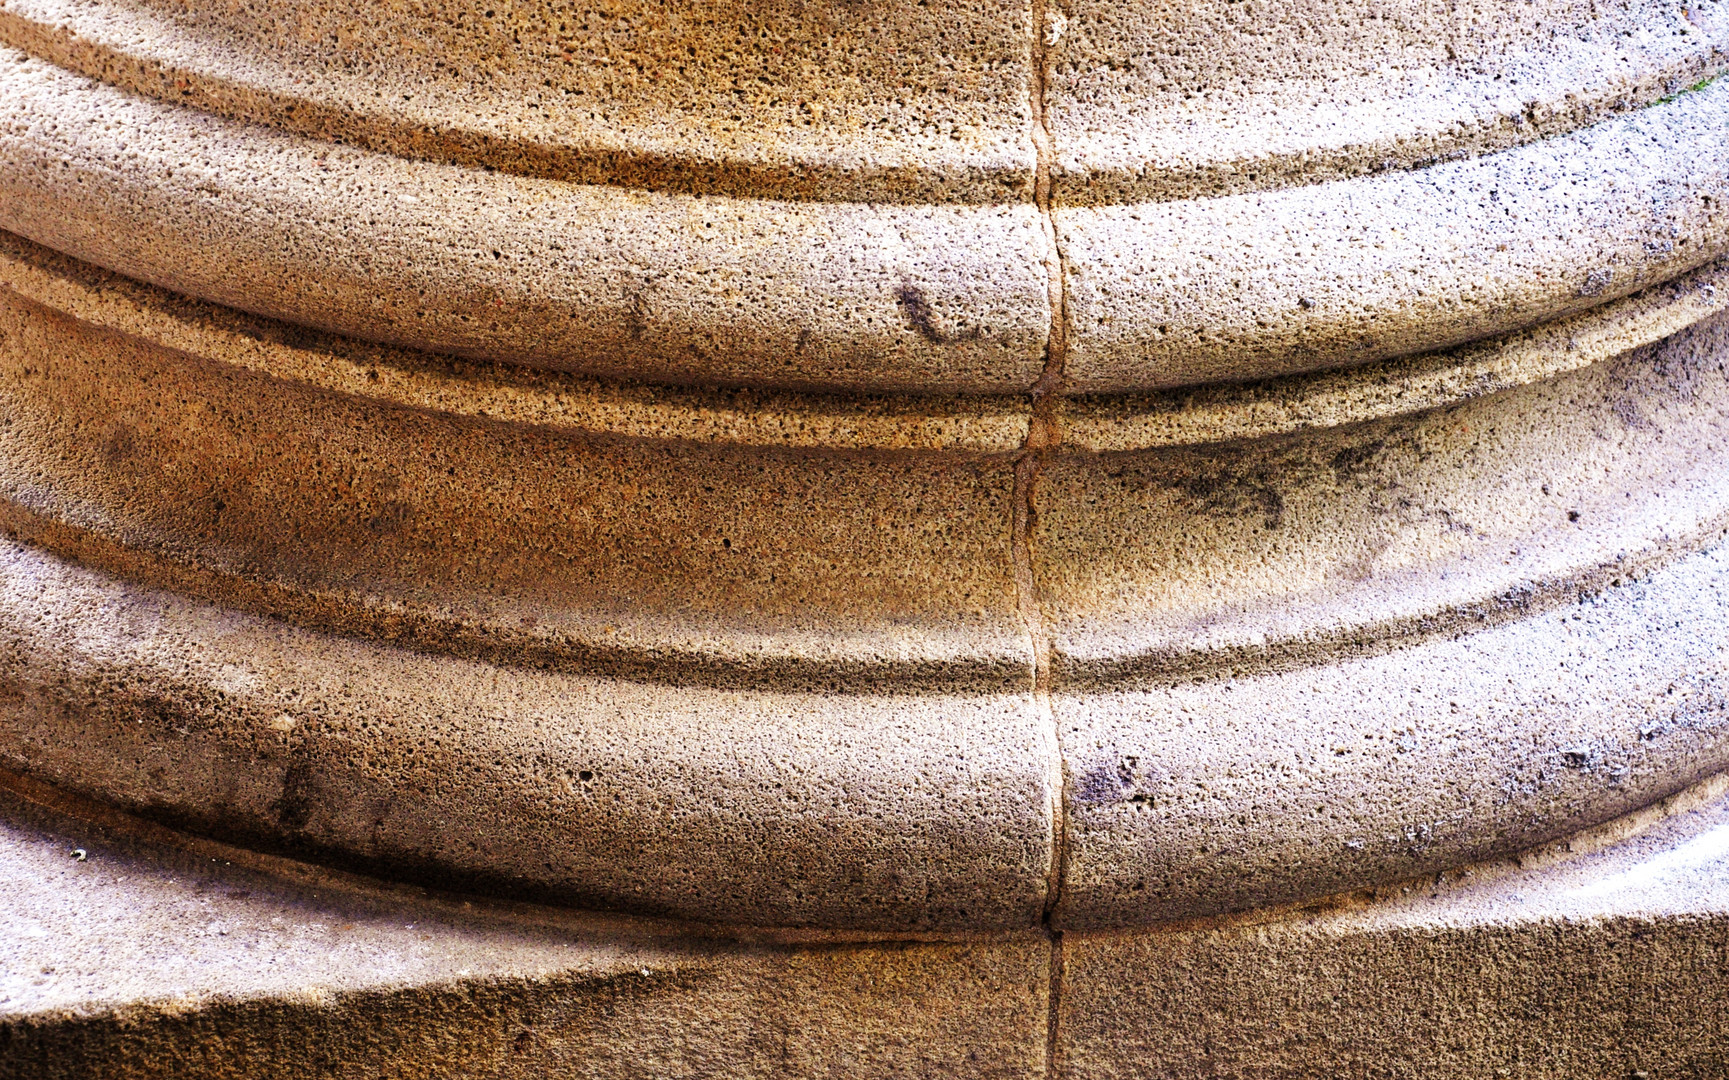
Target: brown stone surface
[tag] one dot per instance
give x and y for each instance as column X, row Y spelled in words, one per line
column 884, row 811
column 1344, row 539
column 1240, row 791
column 258, row 964
column 925, row 494
column 509, row 541
column 1346, row 272
column 904, row 102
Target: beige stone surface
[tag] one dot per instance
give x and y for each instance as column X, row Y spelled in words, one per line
column 907, row 102
column 1235, row 412
column 1344, row 272
column 1602, row 961
column 1173, row 99
column 509, row 393
column 511, row 542
column 1191, row 559
column 1055, row 538
column 710, row 290
column 159, row 956
column 1244, row 790
column 1304, row 664
column 262, row 964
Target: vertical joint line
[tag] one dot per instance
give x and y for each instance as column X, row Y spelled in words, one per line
column 1043, row 429
column 1043, row 435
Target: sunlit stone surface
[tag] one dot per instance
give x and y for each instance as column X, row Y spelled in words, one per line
column 916, row 539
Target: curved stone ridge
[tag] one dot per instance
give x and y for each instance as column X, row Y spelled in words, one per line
column 1220, row 412
column 852, row 296
column 424, row 506
column 674, row 288
column 1173, row 100
column 783, row 766
column 1359, row 270
column 900, row 102
column 734, row 563
column 165, row 955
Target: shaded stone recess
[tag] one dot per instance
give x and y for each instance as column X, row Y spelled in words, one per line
column 918, row 539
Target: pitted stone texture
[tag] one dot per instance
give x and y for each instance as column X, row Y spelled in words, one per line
column 260, row 965
column 887, row 811
column 1210, row 558
column 905, row 101
column 1234, row 412
column 1168, row 100
column 1553, row 967
column 1236, row 792
column 601, row 280
column 1268, row 754
column 506, row 393
column 1352, row 271
column 160, row 957
column 748, row 566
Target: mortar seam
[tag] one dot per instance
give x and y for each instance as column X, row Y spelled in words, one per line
column 1043, row 435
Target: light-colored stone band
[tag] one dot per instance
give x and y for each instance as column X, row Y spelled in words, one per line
column 600, row 280
column 1223, row 412
column 874, row 812
column 1219, row 617
column 500, row 537
column 901, row 102
column 855, row 296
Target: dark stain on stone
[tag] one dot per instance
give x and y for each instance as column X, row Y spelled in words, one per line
column 919, row 316
column 1124, row 779
column 1354, row 461
column 299, row 790
column 119, row 446
column 391, row 518
column 918, row 313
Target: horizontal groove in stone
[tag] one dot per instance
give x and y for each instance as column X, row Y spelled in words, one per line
column 290, row 740
column 953, row 299
column 505, row 393
column 714, row 565
column 1237, row 412
column 898, row 102
column 729, row 565
column 162, row 955
column 1166, row 100
column 1555, row 964
column 1237, row 792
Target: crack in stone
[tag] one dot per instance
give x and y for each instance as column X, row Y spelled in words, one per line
column 1043, row 435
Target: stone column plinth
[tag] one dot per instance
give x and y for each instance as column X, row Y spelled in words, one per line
column 773, row 539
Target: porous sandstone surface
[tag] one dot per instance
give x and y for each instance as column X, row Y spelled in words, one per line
column 786, row 539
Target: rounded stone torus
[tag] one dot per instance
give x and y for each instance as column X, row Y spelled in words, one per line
column 843, row 508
